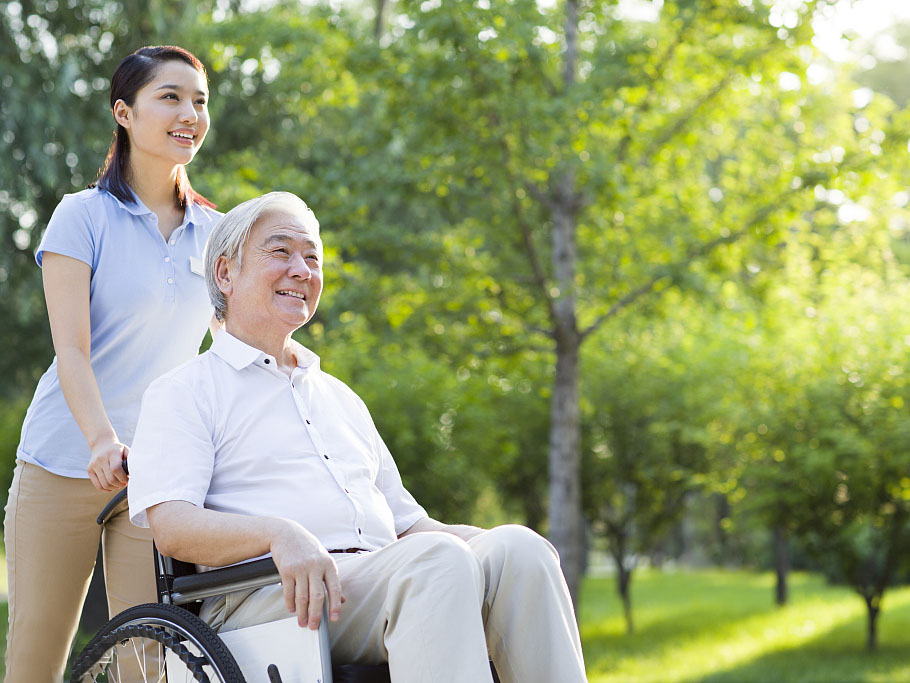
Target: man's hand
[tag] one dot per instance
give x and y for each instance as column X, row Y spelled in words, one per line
column 307, row 570
column 105, row 468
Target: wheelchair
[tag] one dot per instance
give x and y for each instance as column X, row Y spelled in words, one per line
column 167, row 642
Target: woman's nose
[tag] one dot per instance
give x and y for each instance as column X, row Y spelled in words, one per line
column 188, row 114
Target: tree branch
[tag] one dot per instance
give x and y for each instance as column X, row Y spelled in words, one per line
column 652, row 79
column 666, row 271
column 683, row 120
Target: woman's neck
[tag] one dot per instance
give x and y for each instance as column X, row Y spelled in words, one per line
column 156, row 188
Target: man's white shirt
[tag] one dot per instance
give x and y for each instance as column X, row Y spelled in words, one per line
column 229, row 431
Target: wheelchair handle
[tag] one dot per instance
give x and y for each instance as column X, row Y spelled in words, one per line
column 112, row 505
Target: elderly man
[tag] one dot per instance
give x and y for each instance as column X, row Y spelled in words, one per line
column 251, row 449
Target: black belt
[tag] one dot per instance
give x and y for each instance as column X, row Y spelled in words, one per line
column 349, row 550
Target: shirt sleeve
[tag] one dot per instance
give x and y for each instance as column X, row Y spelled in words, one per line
column 70, row 232
column 405, row 508
column 173, row 435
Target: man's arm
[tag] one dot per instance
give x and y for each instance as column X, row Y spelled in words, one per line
column 194, row 534
column 464, row 531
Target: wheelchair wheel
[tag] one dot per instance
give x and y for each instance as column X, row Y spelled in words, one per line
column 156, row 642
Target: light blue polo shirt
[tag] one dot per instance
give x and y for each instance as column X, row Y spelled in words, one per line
column 149, row 311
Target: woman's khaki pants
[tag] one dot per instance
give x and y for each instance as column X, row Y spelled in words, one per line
column 435, row 608
column 51, row 543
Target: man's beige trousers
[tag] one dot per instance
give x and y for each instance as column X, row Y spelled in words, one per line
column 436, row 607
column 51, row 543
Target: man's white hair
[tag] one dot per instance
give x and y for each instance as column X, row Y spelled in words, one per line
column 232, row 231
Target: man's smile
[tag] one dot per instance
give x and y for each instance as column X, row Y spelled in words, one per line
column 288, row 292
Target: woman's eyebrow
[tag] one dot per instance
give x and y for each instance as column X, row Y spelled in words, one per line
column 174, row 86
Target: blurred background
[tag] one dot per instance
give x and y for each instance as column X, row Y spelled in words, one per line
column 632, row 272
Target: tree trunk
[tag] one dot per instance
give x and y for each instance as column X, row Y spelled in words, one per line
column 380, row 19
column 565, row 421
column 873, row 608
column 565, row 514
column 617, row 536
column 623, row 581
column 564, row 463
column 781, row 564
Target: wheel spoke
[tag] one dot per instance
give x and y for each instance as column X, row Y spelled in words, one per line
column 184, row 646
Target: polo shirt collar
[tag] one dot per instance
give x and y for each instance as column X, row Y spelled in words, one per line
column 189, row 214
column 137, row 208
column 239, row 355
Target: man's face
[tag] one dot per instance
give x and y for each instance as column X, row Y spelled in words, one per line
column 277, row 287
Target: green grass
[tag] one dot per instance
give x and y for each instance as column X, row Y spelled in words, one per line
column 722, row 627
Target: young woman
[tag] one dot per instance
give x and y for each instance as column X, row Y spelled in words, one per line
column 126, row 298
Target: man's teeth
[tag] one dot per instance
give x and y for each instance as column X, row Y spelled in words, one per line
column 293, row 294
column 183, row 135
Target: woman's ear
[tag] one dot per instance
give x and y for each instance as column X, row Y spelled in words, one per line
column 123, row 114
column 223, row 268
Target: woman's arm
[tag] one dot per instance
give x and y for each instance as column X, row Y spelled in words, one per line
column 66, row 290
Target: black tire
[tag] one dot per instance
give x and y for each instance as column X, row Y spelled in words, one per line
column 191, row 645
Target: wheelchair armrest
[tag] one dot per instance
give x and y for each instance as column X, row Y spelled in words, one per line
column 225, row 580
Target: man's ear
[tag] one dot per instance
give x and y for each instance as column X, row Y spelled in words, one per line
column 123, row 114
column 223, row 272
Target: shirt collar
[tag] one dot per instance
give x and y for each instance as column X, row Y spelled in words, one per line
column 239, row 354
column 137, row 208
column 189, row 214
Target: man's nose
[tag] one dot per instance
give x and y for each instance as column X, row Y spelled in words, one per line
column 297, row 267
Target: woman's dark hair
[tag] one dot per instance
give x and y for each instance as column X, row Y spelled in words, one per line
column 131, row 75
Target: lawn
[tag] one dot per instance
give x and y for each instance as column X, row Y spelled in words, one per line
column 722, row 627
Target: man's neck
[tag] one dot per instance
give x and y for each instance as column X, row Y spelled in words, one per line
column 283, row 349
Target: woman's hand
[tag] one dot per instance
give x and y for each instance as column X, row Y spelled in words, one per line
column 105, row 469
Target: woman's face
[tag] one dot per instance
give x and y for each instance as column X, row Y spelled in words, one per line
column 169, row 116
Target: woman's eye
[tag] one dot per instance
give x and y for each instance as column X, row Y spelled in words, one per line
column 200, row 103
column 169, row 96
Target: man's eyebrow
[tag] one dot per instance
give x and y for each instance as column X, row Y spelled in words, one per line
column 174, row 86
column 285, row 237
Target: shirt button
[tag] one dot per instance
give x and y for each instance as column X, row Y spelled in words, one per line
column 308, row 422
column 167, row 259
column 170, row 280
column 325, row 456
column 173, row 242
column 267, row 361
column 360, row 532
